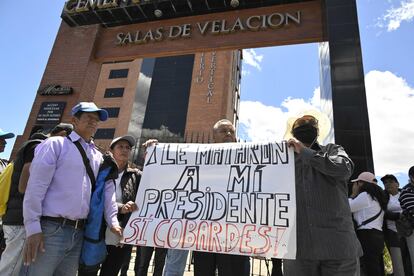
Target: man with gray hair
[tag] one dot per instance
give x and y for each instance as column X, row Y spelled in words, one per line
column 205, row 263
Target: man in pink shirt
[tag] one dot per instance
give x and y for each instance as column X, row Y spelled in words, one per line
column 56, row 203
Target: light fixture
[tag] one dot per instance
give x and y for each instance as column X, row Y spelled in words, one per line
column 234, row 3
column 158, row 13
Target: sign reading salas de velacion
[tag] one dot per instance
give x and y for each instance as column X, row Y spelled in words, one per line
column 214, row 27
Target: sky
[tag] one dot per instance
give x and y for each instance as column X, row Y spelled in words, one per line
column 270, row 89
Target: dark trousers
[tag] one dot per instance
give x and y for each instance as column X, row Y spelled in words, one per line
column 406, row 257
column 277, row 267
column 303, row 267
column 372, row 242
column 205, row 264
column 114, row 259
column 142, row 261
column 125, row 263
column 82, row 272
column 2, row 241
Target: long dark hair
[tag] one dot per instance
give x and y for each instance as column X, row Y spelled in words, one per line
column 375, row 192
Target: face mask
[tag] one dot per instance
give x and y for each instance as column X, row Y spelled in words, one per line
column 306, row 133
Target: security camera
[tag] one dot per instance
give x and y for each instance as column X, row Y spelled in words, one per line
column 234, row 3
column 158, row 13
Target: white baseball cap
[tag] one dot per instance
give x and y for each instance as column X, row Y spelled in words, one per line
column 128, row 138
column 367, row 177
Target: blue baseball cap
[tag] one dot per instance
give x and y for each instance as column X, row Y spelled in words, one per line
column 90, row 107
column 6, row 135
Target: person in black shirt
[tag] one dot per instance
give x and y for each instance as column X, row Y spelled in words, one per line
column 14, row 233
column 3, row 136
column 407, row 205
column 3, row 163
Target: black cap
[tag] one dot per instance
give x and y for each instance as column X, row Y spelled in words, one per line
column 389, row 176
column 411, row 171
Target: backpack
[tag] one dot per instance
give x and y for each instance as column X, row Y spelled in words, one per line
column 20, row 156
column 93, row 251
column 5, row 183
column 11, row 175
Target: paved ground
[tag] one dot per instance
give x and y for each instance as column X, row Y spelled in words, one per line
column 259, row 267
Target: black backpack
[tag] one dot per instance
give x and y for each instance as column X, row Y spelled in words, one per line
column 19, row 160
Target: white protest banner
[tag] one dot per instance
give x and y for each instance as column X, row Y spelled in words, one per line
column 234, row 198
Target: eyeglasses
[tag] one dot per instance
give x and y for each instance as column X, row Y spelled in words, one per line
column 307, row 119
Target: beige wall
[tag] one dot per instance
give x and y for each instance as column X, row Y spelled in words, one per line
column 202, row 115
column 125, row 103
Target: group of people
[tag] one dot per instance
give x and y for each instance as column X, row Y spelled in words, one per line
column 51, row 190
column 376, row 213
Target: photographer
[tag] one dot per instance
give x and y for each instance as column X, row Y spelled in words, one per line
column 368, row 204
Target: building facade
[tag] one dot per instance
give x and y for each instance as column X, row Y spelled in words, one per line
column 171, row 68
column 178, row 98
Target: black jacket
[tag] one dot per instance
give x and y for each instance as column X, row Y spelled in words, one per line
column 129, row 185
column 14, row 212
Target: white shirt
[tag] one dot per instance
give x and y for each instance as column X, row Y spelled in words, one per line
column 118, row 189
column 393, row 206
column 364, row 207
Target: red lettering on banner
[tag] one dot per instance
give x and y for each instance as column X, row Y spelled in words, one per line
column 202, row 236
column 157, row 241
column 263, row 230
column 279, row 235
column 215, row 229
column 138, row 234
column 246, row 239
column 232, row 237
column 141, row 240
column 189, row 237
column 174, row 234
column 211, row 236
column 134, row 225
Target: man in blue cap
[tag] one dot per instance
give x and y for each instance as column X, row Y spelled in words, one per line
column 58, row 193
column 3, row 136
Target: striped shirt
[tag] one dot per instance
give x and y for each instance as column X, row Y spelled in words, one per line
column 407, row 198
column 324, row 222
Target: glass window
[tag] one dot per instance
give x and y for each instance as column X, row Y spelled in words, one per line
column 118, row 74
column 105, row 133
column 113, row 112
column 114, row 92
column 169, row 94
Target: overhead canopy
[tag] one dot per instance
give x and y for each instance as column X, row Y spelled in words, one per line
column 122, row 12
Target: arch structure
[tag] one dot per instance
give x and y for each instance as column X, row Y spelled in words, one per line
column 172, row 68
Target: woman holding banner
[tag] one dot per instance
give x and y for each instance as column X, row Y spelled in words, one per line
column 126, row 186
